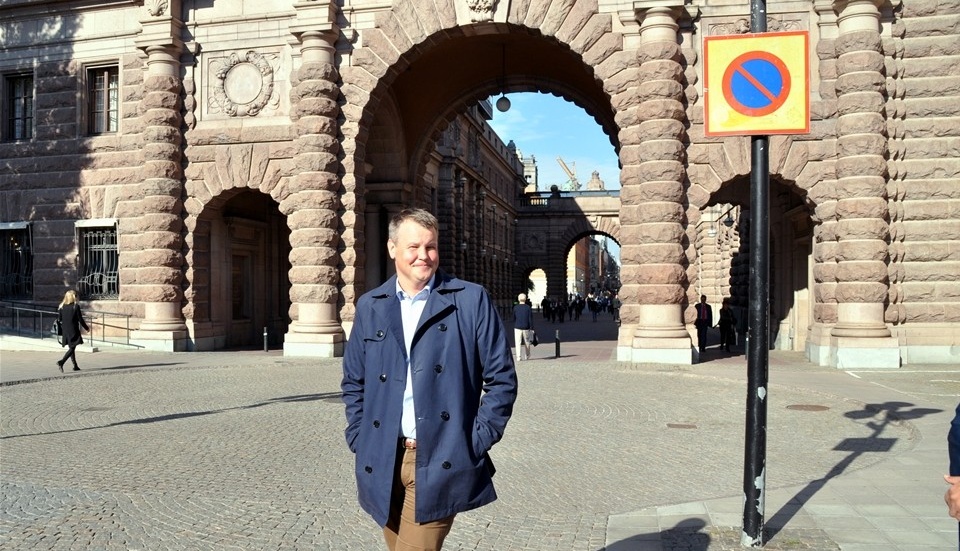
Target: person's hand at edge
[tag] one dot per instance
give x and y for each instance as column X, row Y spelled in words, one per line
column 952, row 497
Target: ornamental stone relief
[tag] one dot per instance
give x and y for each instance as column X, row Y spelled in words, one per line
column 156, row 8
column 742, row 26
column 534, row 242
column 481, row 10
column 242, row 85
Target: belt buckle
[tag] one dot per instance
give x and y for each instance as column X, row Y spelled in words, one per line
column 408, row 443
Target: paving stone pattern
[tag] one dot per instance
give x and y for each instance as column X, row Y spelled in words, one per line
column 253, row 457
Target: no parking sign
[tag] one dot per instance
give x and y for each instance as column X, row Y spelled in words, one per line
column 756, row 84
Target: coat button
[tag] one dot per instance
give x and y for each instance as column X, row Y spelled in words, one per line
column 443, row 327
column 368, row 469
column 376, row 424
column 383, row 378
column 445, row 465
column 438, row 368
column 380, row 334
column 445, row 416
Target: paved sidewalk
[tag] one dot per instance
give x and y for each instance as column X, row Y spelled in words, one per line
column 243, row 450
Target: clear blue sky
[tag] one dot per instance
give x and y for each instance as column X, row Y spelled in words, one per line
column 548, row 127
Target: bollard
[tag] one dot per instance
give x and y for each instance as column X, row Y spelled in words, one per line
column 265, row 345
column 558, row 344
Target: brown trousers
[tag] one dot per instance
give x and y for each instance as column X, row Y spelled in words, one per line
column 402, row 532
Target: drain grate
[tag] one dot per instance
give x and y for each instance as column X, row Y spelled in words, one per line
column 807, row 407
column 681, row 426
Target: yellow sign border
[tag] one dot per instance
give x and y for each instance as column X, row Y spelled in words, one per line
column 793, row 117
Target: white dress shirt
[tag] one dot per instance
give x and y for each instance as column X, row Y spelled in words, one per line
column 411, row 308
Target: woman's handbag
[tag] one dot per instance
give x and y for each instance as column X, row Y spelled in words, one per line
column 58, row 331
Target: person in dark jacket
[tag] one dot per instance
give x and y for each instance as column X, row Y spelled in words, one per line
column 952, row 497
column 522, row 327
column 71, row 319
column 727, row 323
column 703, row 322
column 429, row 384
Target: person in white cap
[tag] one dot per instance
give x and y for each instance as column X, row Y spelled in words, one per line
column 522, row 327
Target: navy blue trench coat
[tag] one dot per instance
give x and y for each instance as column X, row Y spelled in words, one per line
column 464, row 384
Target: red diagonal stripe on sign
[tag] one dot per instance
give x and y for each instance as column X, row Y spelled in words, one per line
column 763, row 90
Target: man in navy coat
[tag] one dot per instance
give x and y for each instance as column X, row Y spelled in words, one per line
column 952, row 497
column 429, row 384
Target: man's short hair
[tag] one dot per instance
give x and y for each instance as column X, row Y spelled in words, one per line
column 521, row 298
column 420, row 216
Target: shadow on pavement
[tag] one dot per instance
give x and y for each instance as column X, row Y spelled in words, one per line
column 688, row 535
column 327, row 396
column 888, row 412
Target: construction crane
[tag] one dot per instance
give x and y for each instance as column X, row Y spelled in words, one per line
column 572, row 183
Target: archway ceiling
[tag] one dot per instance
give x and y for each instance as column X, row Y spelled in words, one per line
column 459, row 71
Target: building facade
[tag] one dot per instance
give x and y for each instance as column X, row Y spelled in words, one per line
column 264, row 144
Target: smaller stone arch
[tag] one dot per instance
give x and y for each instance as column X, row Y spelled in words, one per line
column 590, row 225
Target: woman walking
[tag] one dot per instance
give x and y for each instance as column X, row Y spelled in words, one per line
column 70, row 320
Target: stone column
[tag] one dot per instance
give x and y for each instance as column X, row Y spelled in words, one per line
column 151, row 238
column 313, row 206
column 861, row 338
column 652, row 212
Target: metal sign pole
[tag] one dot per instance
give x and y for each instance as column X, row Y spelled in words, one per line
column 758, row 352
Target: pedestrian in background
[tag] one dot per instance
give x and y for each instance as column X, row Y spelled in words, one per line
column 71, row 319
column 429, row 384
column 522, row 327
column 952, row 497
column 703, row 322
column 727, row 323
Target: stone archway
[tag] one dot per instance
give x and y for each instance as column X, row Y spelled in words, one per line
column 238, row 245
column 567, row 51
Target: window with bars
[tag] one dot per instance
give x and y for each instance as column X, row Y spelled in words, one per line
column 16, row 263
column 103, row 93
column 17, row 107
column 99, row 264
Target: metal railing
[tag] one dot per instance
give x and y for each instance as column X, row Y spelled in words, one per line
column 27, row 320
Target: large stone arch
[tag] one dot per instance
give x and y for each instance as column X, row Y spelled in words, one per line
column 412, row 38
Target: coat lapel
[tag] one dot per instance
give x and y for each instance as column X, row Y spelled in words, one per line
column 441, row 301
column 387, row 313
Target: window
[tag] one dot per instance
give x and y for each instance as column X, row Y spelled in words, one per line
column 17, row 107
column 99, row 261
column 103, row 89
column 16, row 261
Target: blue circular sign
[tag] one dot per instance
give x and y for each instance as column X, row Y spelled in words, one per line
column 756, row 83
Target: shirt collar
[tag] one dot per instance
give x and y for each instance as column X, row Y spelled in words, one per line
column 401, row 294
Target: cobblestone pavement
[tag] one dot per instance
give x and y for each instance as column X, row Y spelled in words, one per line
column 218, row 454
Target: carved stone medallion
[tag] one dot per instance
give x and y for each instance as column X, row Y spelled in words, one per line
column 242, row 86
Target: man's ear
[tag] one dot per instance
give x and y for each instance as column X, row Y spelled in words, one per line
column 391, row 249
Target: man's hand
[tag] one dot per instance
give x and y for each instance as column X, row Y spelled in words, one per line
column 952, row 497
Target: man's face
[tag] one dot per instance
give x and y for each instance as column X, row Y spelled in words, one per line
column 415, row 255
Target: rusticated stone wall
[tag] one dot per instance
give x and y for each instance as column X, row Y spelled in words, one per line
column 924, row 186
column 151, row 236
column 63, row 176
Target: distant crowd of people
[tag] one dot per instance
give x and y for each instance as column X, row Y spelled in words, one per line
column 571, row 307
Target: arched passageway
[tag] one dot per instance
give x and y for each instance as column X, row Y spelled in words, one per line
column 238, row 284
